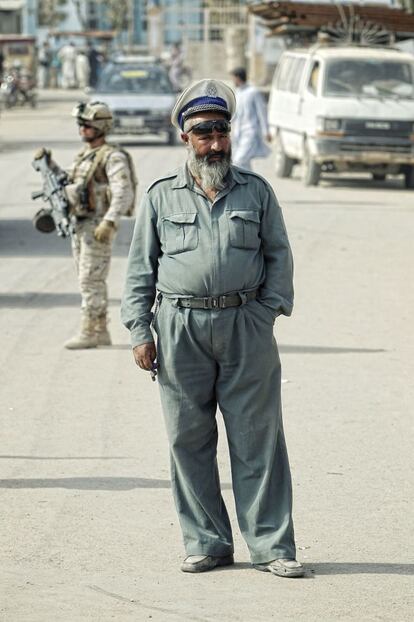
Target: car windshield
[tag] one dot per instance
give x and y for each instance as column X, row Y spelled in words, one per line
column 142, row 80
column 369, row 78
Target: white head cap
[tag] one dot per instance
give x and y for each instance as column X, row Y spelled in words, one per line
column 203, row 96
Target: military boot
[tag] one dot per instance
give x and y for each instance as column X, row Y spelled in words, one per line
column 86, row 337
column 103, row 337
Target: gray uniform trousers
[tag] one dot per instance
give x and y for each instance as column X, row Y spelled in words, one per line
column 229, row 358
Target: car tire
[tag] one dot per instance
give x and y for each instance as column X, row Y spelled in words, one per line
column 311, row 169
column 409, row 176
column 283, row 164
column 379, row 176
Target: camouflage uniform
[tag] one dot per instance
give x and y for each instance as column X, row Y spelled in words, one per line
column 101, row 189
column 110, row 192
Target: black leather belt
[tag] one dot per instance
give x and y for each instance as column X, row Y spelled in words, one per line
column 217, row 302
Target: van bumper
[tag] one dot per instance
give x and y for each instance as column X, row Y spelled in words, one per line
column 359, row 150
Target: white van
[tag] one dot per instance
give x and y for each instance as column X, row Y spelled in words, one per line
column 344, row 108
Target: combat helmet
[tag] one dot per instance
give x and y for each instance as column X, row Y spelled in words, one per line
column 97, row 114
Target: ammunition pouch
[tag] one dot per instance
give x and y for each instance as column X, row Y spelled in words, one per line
column 78, row 198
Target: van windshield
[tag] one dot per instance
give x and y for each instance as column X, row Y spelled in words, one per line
column 369, row 78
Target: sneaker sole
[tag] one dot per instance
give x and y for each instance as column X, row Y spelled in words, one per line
column 281, row 572
column 204, row 566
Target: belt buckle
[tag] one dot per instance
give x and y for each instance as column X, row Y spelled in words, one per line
column 207, row 302
column 215, row 302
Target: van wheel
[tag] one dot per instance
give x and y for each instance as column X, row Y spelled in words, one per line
column 378, row 176
column 311, row 169
column 283, row 164
column 409, row 176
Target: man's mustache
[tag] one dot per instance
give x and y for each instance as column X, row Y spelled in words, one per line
column 216, row 154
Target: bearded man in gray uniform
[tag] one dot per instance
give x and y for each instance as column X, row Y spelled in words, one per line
column 210, row 238
column 101, row 189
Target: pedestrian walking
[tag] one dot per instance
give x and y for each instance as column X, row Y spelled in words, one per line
column 210, row 239
column 44, row 62
column 101, row 189
column 95, row 59
column 67, row 56
column 55, row 74
column 82, row 69
column 1, row 63
column 250, row 130
column 179, row 73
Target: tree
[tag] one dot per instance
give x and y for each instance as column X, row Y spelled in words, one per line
column 408, row 5
column 117, row 13
column 50, row 13
column 81, row 13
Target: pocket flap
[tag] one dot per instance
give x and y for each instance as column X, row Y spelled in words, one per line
column 250, row 215
column 181, row 218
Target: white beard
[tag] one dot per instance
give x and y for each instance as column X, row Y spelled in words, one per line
column 210, row 174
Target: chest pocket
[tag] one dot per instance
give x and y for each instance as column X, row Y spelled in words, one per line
column 180, row 233
column 244, row 228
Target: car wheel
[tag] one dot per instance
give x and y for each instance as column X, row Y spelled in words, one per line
column 378, row 176
column 283, row 164
column 409, row 176
column 311, row 169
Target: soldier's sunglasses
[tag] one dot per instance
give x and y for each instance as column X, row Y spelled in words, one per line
column 206, row 127
column 84, row 124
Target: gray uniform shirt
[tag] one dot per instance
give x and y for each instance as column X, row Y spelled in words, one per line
column 184, row 246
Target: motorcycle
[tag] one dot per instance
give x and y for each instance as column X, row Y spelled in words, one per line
column 17, row 88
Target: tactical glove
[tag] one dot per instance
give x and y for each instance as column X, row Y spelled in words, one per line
column 105, row 231
column 43, row 152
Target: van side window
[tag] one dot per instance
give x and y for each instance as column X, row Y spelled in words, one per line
column 314, row 77
column 283, row 73
column 296, row 71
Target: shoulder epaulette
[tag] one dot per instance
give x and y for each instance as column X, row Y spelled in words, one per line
column 244, row 171
column 160, row 179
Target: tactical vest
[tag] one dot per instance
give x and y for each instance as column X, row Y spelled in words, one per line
column 97, row 171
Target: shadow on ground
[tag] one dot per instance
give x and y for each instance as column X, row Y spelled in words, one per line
column 116, row 484
column 19, row 238
column 293, row 349
column 297, row 349
column 390, row 184
column 11, row 457
column 58, row 143
column 44, row 300
column 360, row 568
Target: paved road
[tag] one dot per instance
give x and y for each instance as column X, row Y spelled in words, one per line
column 88, row 529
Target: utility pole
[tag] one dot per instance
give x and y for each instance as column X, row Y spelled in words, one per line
column 131, row 23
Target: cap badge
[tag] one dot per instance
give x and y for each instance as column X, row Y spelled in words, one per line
column 211, row 89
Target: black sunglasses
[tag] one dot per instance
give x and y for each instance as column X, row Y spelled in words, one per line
column 206, row 127
column 83, row 124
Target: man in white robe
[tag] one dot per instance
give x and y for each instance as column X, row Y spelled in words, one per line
column 250, row 130
column 67, row 56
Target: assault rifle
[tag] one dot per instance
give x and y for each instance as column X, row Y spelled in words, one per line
column 56, row 215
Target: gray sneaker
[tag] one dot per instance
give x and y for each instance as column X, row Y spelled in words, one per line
column 289, row 568
column 202, row 563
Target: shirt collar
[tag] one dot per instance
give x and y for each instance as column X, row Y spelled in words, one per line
column 183, row 178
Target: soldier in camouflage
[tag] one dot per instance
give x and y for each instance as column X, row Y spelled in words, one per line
column 101, row 189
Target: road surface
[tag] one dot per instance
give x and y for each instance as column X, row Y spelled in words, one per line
column 88, row 530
